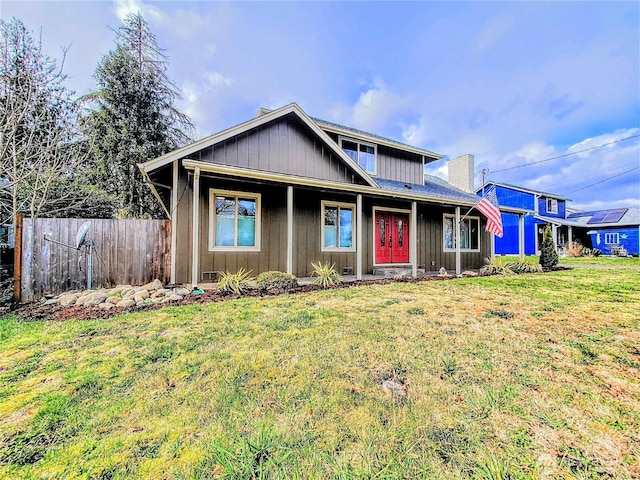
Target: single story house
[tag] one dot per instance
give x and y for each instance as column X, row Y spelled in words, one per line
column 611, row 230
column 283, row 189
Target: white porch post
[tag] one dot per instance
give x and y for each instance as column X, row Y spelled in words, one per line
column 570, row 235
column 554, row 230
column 458, row 258
column 359, row 229
column 290, row 229
column 195, row 229
column 413, row 239
column 521, row 236
column 174, row 221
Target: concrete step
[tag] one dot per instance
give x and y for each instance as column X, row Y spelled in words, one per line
column 390, row 272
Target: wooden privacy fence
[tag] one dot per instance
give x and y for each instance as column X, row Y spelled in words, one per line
column 125, row 252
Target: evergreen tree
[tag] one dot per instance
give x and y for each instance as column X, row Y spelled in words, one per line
column 41, row 156
column 548, row 252
column 135, row 118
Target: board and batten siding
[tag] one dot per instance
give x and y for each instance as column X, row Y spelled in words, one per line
column 282, row 146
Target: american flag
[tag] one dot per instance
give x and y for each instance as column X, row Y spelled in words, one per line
column 488, row 205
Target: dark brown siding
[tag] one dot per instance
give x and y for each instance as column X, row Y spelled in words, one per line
column 283, row 146
column 307, row 232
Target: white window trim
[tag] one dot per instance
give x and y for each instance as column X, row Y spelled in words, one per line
column 453, row 249
column 212, row 221
column 374, row 233
column 554, row 205
column 615, row 235
column 359, row 142
column 352, row 207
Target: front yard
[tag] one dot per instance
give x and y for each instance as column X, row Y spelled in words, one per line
column 530, row 376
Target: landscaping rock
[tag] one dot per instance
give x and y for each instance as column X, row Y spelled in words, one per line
column 155, row 285
column 114, row 299
column 469, row 273
column 96, row 298
column 68, row 299
column 51, row 301
column 125, row 303
column 106, row 306
column 181, row 291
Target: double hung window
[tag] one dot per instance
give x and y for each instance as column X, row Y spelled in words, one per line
column 234, row 221
column 338, row 226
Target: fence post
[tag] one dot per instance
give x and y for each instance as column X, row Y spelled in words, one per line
column 17, row 257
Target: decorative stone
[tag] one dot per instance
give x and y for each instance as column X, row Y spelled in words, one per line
column 68, row 299
column 125, row 303
column 51, row 301
column 469, row 273
column 155, row 285
column 106, row 306
column 113, row 299
column 96, row 298
column 181, row 291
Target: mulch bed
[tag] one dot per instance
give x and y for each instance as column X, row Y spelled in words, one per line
column 40, row 311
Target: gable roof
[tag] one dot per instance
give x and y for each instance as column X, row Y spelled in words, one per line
column 367, row 137
column 260, row 120
column 522, row 189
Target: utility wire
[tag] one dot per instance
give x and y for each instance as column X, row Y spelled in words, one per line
column 575, row 180
column 565, row 155
column 601, row 181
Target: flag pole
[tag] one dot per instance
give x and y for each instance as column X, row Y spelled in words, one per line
column 479, row 200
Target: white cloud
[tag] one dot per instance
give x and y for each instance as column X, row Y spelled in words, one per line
column 124, row 8
column 215, row 80
column 374, row 109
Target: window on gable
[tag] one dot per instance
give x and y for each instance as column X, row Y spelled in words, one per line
column 612, row 238
column 552, row 205
column 363, row 154
column 234, row 221
column 469, row 233
column 338, row 226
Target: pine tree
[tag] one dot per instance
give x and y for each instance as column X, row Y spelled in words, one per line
column 548, row 253
column 135, row 119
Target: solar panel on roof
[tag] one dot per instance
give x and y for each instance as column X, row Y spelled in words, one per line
column 607, row 216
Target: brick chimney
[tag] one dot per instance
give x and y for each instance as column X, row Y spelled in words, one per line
column 461, row 173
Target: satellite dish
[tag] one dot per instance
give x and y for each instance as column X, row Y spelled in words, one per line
column 82, row 234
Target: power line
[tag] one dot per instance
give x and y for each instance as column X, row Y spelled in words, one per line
column 566, row 154
column 577, row 179
column 602, row 181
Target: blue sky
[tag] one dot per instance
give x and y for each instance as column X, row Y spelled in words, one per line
column 510, row 82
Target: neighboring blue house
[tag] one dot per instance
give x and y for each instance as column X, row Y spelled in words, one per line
column 610, row 230
column 543, row 208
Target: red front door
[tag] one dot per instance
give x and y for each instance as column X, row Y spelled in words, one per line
column 392, row 238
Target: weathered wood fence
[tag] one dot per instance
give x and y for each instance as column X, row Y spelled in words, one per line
column 125, row 252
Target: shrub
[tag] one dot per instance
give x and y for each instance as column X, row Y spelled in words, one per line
column 237, row 283
column 548, row 253
column 496, row 266
column 591, row 252
column 525, row 266
column 276, row 280
column 575, row 250
column 325, row 274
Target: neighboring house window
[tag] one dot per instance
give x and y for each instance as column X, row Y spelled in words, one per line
column 552, row 205
column 469, row 233
column 363, row 154
column 611, row 238
column 338, row 226
column 234, row 220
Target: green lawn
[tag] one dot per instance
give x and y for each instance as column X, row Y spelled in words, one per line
column 532, row 376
